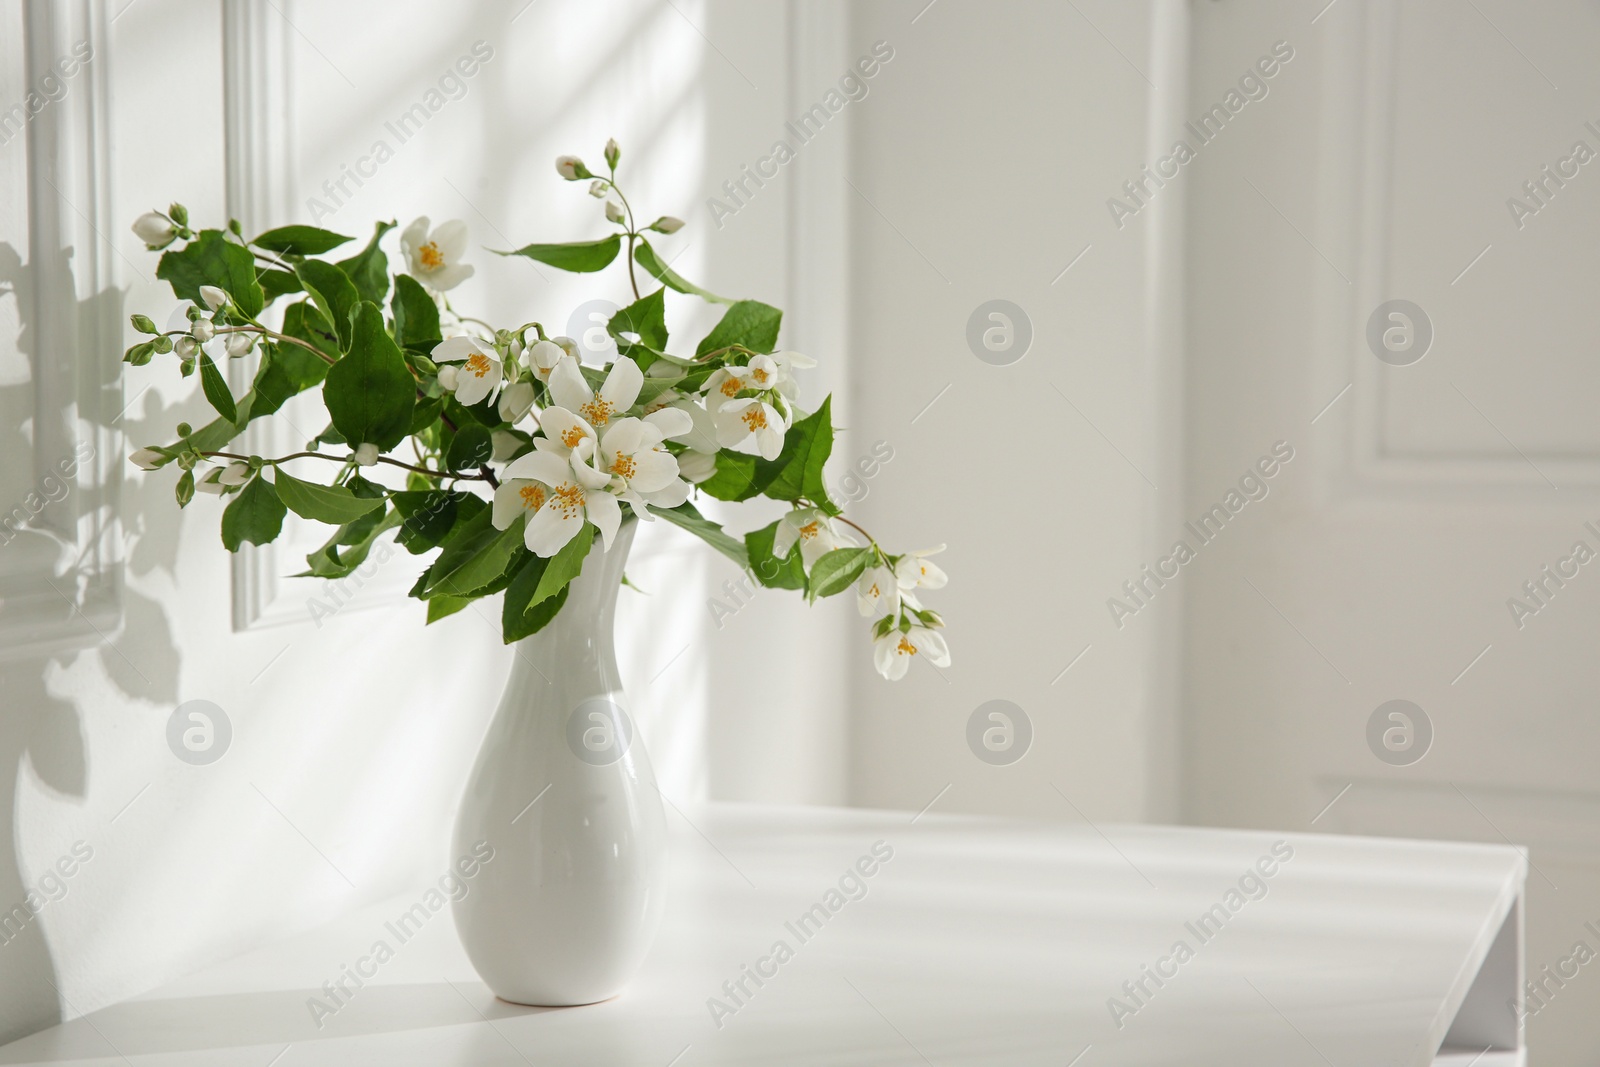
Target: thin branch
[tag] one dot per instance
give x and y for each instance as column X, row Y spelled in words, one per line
column 486, row 475
column 283, row 337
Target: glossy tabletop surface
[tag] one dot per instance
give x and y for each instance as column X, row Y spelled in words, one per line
column 825, row 936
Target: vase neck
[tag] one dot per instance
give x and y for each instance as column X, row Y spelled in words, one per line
column 578, row 642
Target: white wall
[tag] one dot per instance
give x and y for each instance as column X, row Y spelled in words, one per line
column 1380, row 567
column 352, row 739
column 982, row 164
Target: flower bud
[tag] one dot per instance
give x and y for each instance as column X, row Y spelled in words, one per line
column 572, row 168
column 202, row 330
column 667, row 224
column 211, row 483
column 504, row 444
column 613, row 153
column 154, row 229
column 366, row 454
column 179, row 213
column 184, row 429
column 597, row 188
column 516, row 400
column 214, row 298
column 239, row 344
column 235, row 473
column 697, row 466
column 614, row 211
column 447, row 377
column 148, row 459
column 569, row 346
column 143, row 324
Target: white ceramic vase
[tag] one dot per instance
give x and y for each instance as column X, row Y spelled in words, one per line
column 564, row 794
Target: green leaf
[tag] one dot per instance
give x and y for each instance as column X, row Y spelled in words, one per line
column 357, row 539
column 468, row 537
column 838, row 570
column 799, row 466
column 796, row 473
column 580, row 257
column 443, row 607
column 426, row 413
column 532, row 620
column 477, row 562
column 212, row 259
column 256, row 515
column 369, row 268
column 216, row 389
column 430, row 514
column 647, row 258
column 564, row 566
column 749, row 323
column 305, row 322
column 416, row 316
column 333, row 292
column 738, row 477
column 645, row 317
column 300, row 240
column 285, row 371
column 369, row 393
column 519, row 595
column 687, row 517
column 332, row 504
column 768, row 569
column 471, row 447
column 276, row 283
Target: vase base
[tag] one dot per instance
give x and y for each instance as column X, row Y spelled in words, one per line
column 549, row 1006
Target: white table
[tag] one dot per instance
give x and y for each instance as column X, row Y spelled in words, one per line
column 978, row 942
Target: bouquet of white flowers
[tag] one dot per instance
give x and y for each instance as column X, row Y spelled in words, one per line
column 567, row 451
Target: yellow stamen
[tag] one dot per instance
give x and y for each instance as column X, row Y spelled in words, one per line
column 430, row 255
column 905, row 647
column 568, row 500
column 623, row 465
column 571, row 436
column 532, row 497
column 478, row 364
column 754, row 418
column 873, row 592
column 810, row 530
column 731, row 387
column 759, row 375
column 597, row 411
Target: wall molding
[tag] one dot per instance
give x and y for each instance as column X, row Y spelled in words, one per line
column 61, row 574
column 1354, row 211
column 259, row 147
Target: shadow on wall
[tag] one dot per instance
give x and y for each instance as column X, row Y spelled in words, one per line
column 39, row 727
